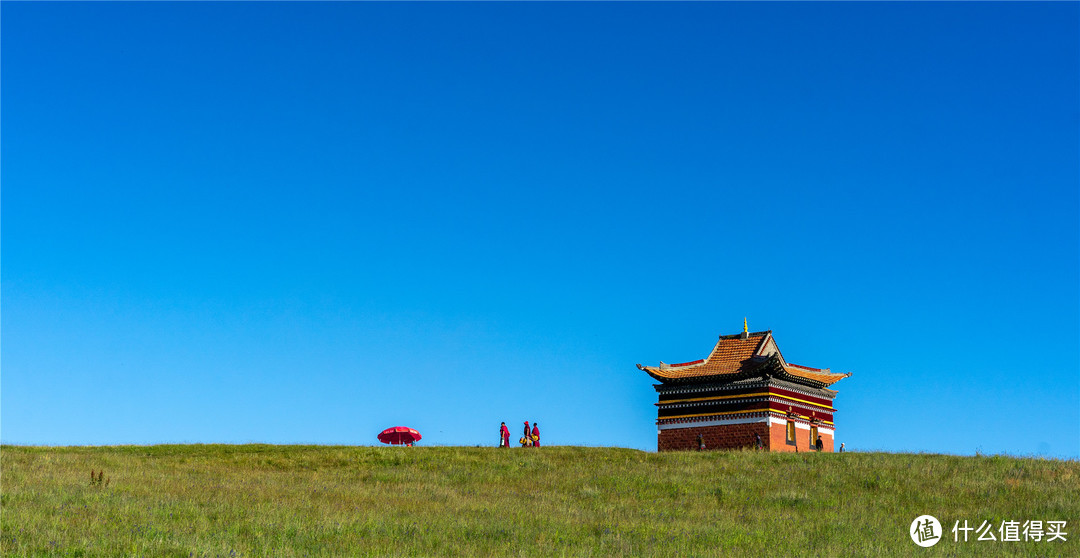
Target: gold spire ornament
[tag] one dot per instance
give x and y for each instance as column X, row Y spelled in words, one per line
column 744, row 329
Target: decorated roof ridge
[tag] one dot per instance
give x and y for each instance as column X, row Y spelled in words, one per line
column 750, row 334
column 665, row 365
column 826, row 373
column 826, row 370
column 819, row 379
column 822, row 371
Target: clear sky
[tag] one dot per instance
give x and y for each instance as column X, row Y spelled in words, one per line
column 305, row 223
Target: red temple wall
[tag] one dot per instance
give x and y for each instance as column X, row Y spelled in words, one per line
column 723, row 436
column 736, row 436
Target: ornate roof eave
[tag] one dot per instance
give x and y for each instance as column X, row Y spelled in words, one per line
column 754, row 372
column 771, row 366
column 649, row 370
column 775, row 368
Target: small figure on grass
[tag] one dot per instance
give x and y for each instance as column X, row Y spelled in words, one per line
column 536, row 435
column 700, row 443
column 504, row 436
column 819, row 445
column 100, row 480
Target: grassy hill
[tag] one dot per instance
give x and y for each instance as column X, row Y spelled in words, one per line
column 259, row 500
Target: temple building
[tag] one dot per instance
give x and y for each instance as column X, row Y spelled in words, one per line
column 744, row 388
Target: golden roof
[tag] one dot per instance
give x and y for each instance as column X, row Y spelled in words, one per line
column 739, row 354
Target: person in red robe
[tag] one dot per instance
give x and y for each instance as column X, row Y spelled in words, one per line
column 527, row 437
column 504, row 436
column 536, row 434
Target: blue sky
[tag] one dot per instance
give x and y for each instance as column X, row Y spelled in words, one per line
column 297, row 222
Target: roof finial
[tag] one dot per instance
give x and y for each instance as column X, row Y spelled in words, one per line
column 745, row 331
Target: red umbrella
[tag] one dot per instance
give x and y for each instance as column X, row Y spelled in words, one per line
column 399, row 435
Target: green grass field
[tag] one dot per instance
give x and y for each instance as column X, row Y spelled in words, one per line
column 259, row 500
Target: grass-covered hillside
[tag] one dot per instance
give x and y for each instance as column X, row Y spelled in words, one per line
column 257, row 500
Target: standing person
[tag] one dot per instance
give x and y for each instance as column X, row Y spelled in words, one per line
column 536, row 434
column 841, row 447
column 757, row 442
column 526, row 440
column 700, row 442
column 504, row 436
column 819, row 444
